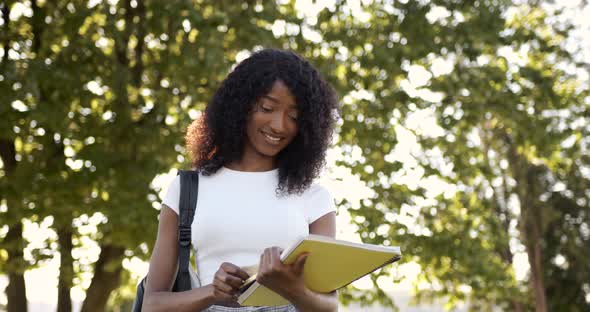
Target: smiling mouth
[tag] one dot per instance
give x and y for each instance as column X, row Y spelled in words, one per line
column 272, row 138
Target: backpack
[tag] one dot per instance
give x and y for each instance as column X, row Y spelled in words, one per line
column 186, row 278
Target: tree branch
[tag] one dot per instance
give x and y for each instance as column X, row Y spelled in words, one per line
column 6, row 44
column 138, row 69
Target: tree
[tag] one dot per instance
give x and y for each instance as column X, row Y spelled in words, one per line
column 105, row 95
column 100, row 95
column 500, row 145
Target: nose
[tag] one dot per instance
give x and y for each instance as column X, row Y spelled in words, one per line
column 278, row 123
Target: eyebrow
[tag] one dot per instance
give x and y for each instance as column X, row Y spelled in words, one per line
column 277, row 101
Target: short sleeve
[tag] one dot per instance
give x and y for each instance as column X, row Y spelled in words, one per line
column 318, row 203
column 173, row 194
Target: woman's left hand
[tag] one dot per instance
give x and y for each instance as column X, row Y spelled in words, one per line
column 279, row 277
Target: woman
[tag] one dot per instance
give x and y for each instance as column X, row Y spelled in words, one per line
column 258, row 147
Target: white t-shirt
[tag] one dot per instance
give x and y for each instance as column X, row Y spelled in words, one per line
column 238, row 215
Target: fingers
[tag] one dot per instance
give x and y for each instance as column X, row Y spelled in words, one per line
column 302, row 258
column 223, row 292
column 268, row 254
column 300, row 263
column 275, row 257
column 270, row 261
column 231, row 280
column 227, row 281
column 273, row 254
column 273, row 272
column 222, row 286
column 235, row 270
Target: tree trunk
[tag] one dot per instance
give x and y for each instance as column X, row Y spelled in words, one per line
column 533, row 248
column 531, row 216
column 526, row 176
column 66, row 270
column 107, row 277
column 16, row 291
column 529, row 230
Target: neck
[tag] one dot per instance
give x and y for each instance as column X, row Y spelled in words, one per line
column 253, row 164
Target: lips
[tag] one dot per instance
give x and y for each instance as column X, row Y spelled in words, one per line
column 272, row 139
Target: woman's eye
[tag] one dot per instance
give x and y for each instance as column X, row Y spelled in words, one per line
column 264, row 108
column 293, row 116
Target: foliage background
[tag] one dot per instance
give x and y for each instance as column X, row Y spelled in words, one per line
column 95, row 97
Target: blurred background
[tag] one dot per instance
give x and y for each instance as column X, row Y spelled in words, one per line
column 463, row 139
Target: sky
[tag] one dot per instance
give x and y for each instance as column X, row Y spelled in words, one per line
column 42, row 282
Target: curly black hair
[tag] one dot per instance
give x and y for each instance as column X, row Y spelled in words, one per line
column 217, row 138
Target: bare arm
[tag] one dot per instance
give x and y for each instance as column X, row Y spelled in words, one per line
column 162, row 271
column 308, row 300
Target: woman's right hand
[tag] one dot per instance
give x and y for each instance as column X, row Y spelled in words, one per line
column 227, row 281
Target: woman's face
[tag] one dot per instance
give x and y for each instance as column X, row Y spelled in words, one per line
column 272, row 124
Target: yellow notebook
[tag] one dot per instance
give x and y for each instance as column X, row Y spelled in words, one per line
column 331, row 264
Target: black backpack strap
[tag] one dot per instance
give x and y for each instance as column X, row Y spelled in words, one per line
column 189, row 190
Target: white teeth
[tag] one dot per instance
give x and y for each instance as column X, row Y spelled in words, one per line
column 272, row 138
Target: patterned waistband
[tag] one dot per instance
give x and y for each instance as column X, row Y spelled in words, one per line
column 284, row 308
